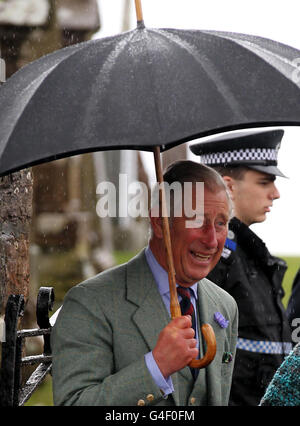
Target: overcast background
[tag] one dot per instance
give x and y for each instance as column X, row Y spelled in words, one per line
column 274, row 19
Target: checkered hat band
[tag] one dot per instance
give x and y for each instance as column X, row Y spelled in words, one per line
column 265, row 347
column 248, row 154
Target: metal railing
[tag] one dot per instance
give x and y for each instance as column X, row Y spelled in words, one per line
column 12, row 392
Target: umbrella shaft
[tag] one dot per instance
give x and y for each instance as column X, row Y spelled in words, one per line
column 174, row 304
column 138, row 10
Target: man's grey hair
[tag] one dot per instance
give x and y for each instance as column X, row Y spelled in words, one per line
column 190, row 171
column 185, row 171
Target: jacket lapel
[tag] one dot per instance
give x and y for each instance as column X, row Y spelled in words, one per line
column 207, row 308
column 151, row 315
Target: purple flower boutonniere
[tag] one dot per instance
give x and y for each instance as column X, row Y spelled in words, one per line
column 218, row 317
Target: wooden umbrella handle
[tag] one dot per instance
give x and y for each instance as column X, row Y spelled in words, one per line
column 174, row 304
column 211, row 348
column 206, row 329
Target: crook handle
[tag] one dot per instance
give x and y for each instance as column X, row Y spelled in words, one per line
column 207, row 330
column 211, row 345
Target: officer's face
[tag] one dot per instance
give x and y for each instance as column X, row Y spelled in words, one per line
column 253, row 196
column 197, row 250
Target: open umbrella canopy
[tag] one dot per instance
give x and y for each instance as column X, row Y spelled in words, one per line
column 144, row 88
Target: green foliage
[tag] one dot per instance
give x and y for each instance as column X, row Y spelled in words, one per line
column 43, row 395
column 123, row 256
column 293, row 266
column 61, row 269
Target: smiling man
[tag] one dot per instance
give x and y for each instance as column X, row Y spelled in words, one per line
column 114, row 342
column 248, row 164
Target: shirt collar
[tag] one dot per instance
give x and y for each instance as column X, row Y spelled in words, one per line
column 161, row 275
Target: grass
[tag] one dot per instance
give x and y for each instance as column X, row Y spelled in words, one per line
column 293, row 266
column 43, row 395
column 123, row 256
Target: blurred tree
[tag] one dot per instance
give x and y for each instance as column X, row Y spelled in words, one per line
column 16, row 188
column 15, row 217
column 29, row 30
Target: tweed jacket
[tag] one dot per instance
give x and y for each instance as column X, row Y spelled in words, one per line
column 109, row 322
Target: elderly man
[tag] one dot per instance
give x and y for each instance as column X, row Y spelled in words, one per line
column 114, row 342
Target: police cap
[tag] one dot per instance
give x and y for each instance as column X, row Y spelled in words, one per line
column 256, row 150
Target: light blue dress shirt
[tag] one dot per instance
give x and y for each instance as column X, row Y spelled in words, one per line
column 162, row 281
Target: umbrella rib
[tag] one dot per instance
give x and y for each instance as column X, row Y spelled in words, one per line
column 39, row 83
column 113, row 55
column 161, row 134
column 103, row 77
column 211, row 73
column 263, row 53
column 26, row 101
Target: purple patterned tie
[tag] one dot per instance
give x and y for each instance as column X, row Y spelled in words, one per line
column 186, row 305
column 187, row 308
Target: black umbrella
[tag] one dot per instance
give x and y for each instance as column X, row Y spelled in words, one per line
column 147, row 89
column 143, row 88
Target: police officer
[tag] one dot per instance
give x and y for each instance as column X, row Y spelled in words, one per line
column 246, row 270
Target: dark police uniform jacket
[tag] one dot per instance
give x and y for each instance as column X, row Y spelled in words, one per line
column 253, row 277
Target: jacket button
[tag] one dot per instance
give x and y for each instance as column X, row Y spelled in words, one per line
column 150, row 397
column 141, row 402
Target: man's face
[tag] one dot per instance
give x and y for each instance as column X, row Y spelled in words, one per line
column 197, row 250
column 253, row 196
